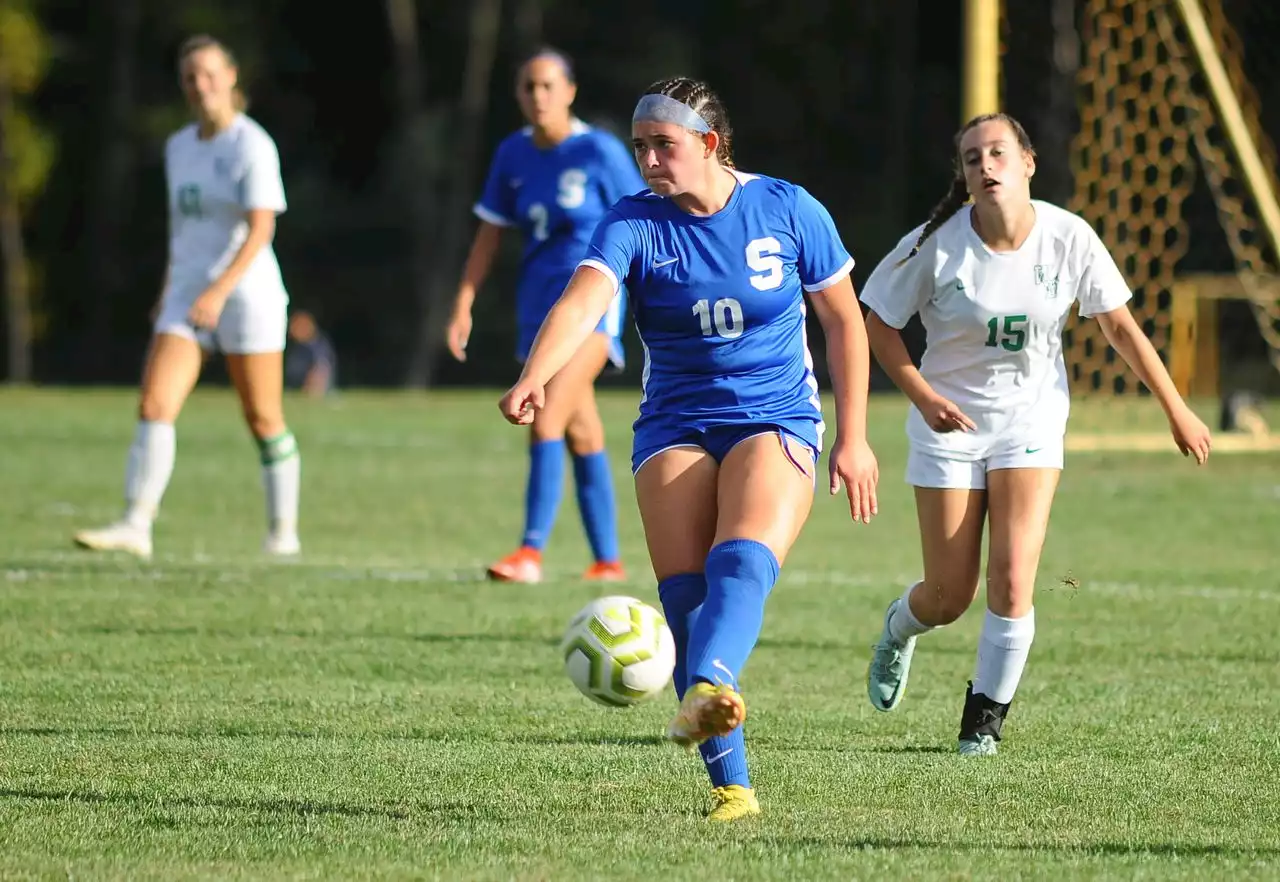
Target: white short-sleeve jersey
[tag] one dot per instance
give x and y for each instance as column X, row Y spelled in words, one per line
column 212, row 183
column 993, row 323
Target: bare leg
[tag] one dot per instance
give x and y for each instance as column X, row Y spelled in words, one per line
column 259, row 381
column 170, row 373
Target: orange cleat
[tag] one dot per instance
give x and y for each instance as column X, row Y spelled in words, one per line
column 522, row 565
column 605, row 571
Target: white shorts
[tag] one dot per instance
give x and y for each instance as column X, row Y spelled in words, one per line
column 248, row 325
column 928, row 469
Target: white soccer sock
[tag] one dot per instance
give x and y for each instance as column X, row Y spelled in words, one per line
column 148, row 471
column 281, row 479
column 1002, row 655
column 903, row 624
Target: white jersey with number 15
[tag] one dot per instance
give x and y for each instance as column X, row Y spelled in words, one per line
column 994, row 322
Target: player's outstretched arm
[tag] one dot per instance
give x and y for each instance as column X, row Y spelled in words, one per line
column 848, row 355
column 886, row 342
column 479, row 260
column 1122, row 332
column 208, row 306
column 567, row 326
column 849, row 360
column 164, row 288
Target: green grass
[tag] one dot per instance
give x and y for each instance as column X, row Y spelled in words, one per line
column 379, row 711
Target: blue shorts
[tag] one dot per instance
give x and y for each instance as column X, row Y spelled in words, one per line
column 617, row 357
column 611, row 325
column 653, row 438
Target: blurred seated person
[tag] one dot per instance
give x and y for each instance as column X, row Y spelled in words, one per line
column 310, row 364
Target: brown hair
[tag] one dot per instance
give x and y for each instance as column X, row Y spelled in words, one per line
column 553, row 54
column 199, row 42
column 699, row 97
column 958, row 195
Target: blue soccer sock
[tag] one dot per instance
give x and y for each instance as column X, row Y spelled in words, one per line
column 595, row 500
column 726, row 759
column 542, row 493
column 682, row 596
column 740, row 574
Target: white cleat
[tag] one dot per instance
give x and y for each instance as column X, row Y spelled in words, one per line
column 890, row 665
column 978, row 745
column 282, row 545
column 122, row 536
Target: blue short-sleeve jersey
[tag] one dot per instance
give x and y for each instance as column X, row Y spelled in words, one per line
column 556, row 196
column 719, row 301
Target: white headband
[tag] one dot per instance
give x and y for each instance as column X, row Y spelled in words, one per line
column 665, row 109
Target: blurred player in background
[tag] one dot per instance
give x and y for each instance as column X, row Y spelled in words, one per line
column 730, row 428
column 994, row 283
column 310, row 363
column 222, row 289
column 554, row 180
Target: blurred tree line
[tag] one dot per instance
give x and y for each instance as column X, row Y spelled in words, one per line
column 386, row 116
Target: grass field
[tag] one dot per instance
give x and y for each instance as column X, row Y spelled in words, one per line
column 377, row 710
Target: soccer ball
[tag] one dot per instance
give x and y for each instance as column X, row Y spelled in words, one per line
column 618, row 651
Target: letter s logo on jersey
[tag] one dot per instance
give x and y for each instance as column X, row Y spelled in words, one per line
column 762, row 256
column 572, row 190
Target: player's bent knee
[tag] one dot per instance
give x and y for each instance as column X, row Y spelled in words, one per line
column 557, row 412
column 585, row 435
column 156, row 409
column 160, row 402
column 676, row 565
column 585, row 443
column 943, row 601
column 679, row 551
column 1009, row 590
column 264, row 426
column 547, row 427
column 952, row 607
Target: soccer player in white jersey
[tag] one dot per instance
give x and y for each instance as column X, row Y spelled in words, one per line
column 222, row 288
column 993, row 282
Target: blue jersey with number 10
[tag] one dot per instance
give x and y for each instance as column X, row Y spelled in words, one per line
column 719, row 301
column 556, row 196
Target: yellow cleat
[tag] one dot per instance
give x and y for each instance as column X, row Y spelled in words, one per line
column 733, row 803
column 707, row 711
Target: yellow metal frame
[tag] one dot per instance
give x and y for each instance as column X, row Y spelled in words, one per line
column 981, row 59
column 1233, row 119
column 1194, row 347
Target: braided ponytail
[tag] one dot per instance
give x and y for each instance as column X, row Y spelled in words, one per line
column 955, row 199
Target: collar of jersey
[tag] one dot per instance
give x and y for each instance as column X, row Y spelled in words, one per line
column 218, row 136
column 730, row 208
column 576, row 127
column 970, row 231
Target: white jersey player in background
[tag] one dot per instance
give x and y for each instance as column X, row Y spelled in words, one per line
column 993, row 282
column 222, row 289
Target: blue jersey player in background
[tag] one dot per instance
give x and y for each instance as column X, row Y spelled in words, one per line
column 730, row 427
column 554, row 180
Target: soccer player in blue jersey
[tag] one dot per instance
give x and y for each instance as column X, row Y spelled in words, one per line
column 730, row 426
column 554, row 179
